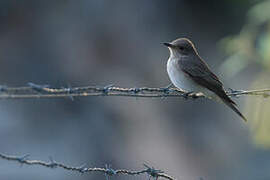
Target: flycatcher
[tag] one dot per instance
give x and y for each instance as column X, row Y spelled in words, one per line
column 188, row 71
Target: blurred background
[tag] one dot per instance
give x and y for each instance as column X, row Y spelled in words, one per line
column 77, row 43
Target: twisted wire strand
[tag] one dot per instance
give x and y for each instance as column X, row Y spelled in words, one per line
column 108, row 171
column 45, row 91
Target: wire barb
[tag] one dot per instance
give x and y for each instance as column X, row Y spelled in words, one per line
column 52, row 164
column 38, row 88
column 82, row 169
column 167, row 89
column 3, row 88
column 106, row 89
column 23, row 159
column 109, row 171
column 152, row 172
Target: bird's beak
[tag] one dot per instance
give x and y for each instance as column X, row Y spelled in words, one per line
column 168, row 45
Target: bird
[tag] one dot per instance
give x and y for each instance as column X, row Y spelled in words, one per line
column 189, row 72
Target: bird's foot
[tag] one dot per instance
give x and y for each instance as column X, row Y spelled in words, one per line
column 189, row 94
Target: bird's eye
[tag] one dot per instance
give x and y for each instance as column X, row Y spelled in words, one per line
column 181, row 48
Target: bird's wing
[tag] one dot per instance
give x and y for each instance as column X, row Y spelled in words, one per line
column 199, row 72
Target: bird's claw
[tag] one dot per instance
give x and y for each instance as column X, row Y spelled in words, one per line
column 186, row 95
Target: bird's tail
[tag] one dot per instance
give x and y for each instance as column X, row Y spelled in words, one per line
column 232, row 105
column 227, row 100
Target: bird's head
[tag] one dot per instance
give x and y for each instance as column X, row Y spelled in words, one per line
column 181, row 47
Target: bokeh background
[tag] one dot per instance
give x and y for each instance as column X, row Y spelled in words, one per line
column 76, row 43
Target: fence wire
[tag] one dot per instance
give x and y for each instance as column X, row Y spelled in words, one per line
column 45, row 91
column 107, row 171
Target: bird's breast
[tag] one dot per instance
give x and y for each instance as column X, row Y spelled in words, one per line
column 179, row 78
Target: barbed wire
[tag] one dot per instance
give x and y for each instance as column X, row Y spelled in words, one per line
column 45, row 91
column 107, row 171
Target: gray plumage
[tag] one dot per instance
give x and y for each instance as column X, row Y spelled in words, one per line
column 188, row 71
